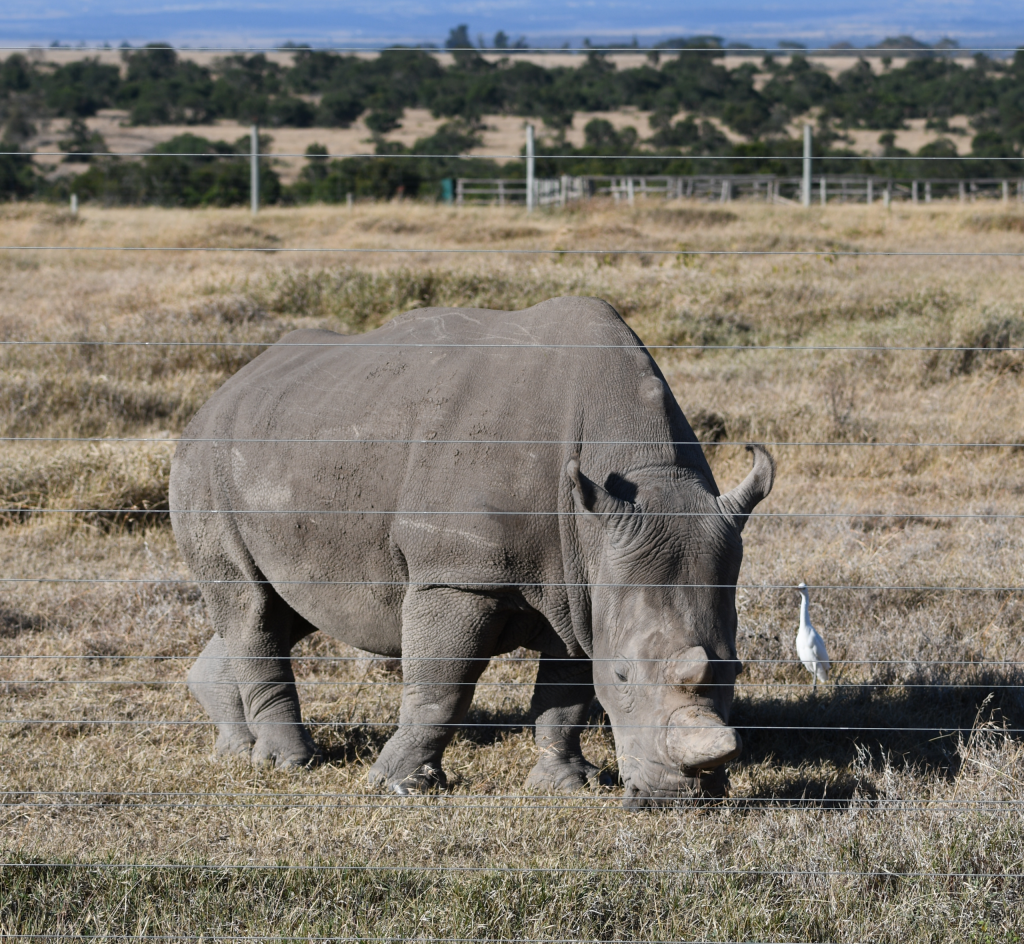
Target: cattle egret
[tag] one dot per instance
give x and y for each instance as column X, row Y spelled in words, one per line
column 809, row 645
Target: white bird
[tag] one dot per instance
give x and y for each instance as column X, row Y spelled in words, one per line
column 809, row 645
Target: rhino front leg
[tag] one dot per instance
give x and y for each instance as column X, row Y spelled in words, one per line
column 213, row 684
column 560, row 704
column 447, row 637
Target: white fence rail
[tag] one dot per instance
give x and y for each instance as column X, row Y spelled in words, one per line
column 844, row 188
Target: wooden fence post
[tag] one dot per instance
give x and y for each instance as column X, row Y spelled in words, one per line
column 254, row 169
column 530, row 165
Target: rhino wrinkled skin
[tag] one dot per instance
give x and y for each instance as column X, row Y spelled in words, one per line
column 450, row 487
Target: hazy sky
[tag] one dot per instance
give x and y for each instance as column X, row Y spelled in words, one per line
column 996, row 22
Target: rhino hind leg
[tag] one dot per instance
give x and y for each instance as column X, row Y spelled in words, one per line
column 257, row 630
column 560, row 706
column 437, row 686
column 213, row 684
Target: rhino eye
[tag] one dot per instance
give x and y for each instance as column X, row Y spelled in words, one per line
column 620, row 675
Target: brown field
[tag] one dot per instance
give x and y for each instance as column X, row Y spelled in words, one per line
column 885, row 806
column 501, row 136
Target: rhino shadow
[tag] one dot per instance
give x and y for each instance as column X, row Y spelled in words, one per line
column 485, row 727
column 342, row 746
column 347, row 745
column 913, row 726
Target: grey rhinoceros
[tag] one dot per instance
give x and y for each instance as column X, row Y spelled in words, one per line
column 450, row 487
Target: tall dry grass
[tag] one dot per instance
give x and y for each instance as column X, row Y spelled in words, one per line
column 854, row 806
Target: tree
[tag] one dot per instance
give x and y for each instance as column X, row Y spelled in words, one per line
column 339, row 109
column 458, row 38
column 82, row 143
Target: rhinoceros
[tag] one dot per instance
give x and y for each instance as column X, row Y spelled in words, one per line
column 448, row 488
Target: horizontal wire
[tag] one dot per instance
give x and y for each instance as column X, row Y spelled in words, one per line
column 247, row 155
column 679, row 804
column 513, row 870
column 108, row 935
column 835, row 253
column 357, row 340
column 331, row 939
column 425, row 799
column 513, row 442
column 492, row 725
column 715, row 51
column 499, row 585
column 413, row 802
column 899, row 516
column 739, row 685
column 501, row 659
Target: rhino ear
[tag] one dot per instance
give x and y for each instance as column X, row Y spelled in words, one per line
column 591, row 498
column 740, row 502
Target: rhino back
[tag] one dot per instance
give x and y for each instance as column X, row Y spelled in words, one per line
column 430, row 450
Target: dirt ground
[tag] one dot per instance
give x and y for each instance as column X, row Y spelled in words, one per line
column 884, row 805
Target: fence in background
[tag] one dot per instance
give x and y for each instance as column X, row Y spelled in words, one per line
column 723, row 188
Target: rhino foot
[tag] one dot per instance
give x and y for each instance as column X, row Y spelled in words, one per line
column 234, row 740
column 213, row 685
column 427, row 778
column 285, row 751
column 558, row 773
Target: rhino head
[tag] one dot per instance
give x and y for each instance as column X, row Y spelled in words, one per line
column 664, row 622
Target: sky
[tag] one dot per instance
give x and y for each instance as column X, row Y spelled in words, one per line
column 319, row 22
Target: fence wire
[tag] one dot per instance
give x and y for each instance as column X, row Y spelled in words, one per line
column 515, row 585
column 116, row 800
column 508, row 869
column 908, row 444
column 489, row 725
column 368, row 155
column 714, row 51
column 361, row 341
column 332, row 939
column 903, row 517
column 420, row 250
column 739, row 685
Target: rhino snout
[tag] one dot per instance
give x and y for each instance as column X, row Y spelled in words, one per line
column 698, row 740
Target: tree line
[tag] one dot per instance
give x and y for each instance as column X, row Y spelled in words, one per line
column 758, row 100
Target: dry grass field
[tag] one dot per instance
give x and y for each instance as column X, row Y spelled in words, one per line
column 884, row 806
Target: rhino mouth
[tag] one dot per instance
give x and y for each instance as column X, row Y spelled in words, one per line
column 665, row 787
